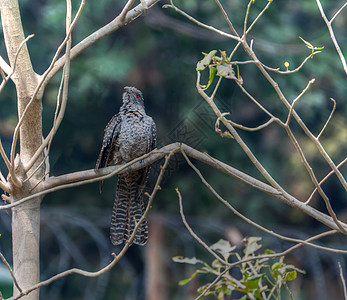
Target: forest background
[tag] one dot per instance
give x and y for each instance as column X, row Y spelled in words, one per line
column 158, row 53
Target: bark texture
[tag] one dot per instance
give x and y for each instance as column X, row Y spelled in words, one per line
column 25, row 218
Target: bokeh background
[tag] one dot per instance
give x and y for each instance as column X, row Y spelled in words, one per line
column 158, row 53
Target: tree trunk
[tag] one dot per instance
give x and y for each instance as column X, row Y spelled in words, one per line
column 26, row 217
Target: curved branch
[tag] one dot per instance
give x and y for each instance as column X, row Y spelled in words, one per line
column 11, row 272
column 285, row 252
column 116, row 257
column 236, row 212
column 88, row 176
column 326, row 123
column 332, row 34
column 109, row 28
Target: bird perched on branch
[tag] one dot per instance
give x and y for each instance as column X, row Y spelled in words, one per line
column 128, row 135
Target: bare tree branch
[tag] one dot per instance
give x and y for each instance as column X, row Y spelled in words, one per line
column 5, row 66
column 343, row 281
column 331, row 31
column 326, row 123
column 4, row 156
column 337, row 13
column 297, row 99
column 194, row 235
column 15, row 62
column 109, row 28
column 236, row 212
column 116, row 257
column 200, row 23
column 11, row 272
column 37, row 91
column 89, row 176
column 323, row 180
column 324, row 234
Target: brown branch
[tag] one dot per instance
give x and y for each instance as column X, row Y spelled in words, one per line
column 194, row 235
column 267, row 123
column 332, row 34
column 15, row 62
column 297, row 99
column 200, row 23
column 323, row 180
column 109, row 28
column 88, row 176
column 337, row 13
column 38, row 89
column 11, row 272
column 343, row 281
column 268, row 256
column 4, row 156
column 326, row 123
column 116, row 257
column 5, row 67
column 236, row 212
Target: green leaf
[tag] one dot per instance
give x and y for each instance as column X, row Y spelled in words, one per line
column 202, row 64
column 185, row 281
column 291, row 275
column 213, row 72
column 276, row 266
column 187, row 260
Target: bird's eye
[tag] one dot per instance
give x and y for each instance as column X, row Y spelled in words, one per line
column 138, row 96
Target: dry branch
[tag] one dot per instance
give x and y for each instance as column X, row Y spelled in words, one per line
column 116, row 257
column 89, row 176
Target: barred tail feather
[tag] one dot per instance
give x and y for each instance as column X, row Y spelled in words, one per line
column 128, row 208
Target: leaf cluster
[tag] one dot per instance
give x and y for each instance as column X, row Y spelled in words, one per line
column 258, row 278
column 218, row 65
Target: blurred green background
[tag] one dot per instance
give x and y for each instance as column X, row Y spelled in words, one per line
column 158, row 53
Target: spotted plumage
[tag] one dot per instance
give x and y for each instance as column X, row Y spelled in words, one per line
column 128, row 135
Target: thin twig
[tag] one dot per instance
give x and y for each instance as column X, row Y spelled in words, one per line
column 116, row 257
column 15, row 62
column 246, row 19
column 226, row 17
column 4, row 156
column 277, row 120
column 336, row 14
column 194, row 235
column 4, row 67
column 267, row 123
column 9, row 165
column 11, row 272
column 289, row 71
column 314, row 179
column 38, row 88
column 332, row 34
column 323, row 180
column 268, row 256
column 236, row 212
column 326, row 123
column 237, row 137
column 200, row 23
column 297, row 99
column 125, row 10
column 343, row 281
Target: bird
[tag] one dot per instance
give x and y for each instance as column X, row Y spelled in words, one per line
column 129, row 134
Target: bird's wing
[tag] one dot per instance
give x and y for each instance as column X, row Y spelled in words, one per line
column 153, row 141
column 108, row 144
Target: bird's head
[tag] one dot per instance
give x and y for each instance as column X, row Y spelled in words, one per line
column 133, row 96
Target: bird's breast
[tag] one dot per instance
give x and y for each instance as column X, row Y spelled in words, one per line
column 134, row 137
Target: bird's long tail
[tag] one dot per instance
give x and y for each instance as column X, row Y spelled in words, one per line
column 128, row 208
